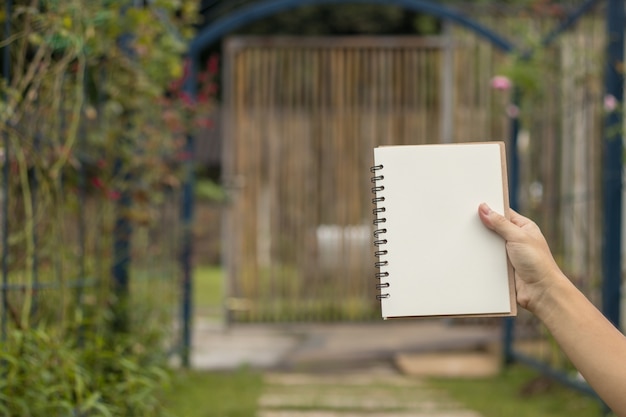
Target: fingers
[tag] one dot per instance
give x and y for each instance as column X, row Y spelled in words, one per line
column 500, row 224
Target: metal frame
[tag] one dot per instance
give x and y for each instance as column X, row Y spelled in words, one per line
column 613, row 161
column 6, row 74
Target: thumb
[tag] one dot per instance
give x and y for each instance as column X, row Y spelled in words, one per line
column 496, row 222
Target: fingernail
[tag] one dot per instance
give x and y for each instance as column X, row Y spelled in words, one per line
column 485, row 209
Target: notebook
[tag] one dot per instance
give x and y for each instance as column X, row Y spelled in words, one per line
column 434, row 256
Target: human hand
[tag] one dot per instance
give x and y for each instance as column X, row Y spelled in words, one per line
column 536, row 272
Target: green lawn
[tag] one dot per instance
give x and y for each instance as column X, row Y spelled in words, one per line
column 208, row 288
column 211, row 394
column 214, row 394
column 521, row 392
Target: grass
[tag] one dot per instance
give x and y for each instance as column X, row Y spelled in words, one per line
column 521, row 392
column 209, row 293
column 214, row 394
column 236, row 394
column 208, row 287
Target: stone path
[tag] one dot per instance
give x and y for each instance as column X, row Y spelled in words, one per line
column 379, row 392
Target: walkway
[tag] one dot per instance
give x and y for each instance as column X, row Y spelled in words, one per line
column 320, row 346
column 347, row 370
column 378, row 391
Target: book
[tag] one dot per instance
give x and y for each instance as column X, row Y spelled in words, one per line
column 435, row 257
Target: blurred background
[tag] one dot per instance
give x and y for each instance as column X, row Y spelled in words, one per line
column 170, row 166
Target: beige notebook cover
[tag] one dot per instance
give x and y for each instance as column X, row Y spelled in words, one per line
column 434, row 256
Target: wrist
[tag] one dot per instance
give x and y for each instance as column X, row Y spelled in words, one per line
column 550, row 297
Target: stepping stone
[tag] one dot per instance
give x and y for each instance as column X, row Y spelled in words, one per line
column 352, row 394
column 452, row 364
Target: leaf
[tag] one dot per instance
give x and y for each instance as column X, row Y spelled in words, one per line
column 91, row 402
column 67, row 22
column 103, row 17
column 103, row 410
column 35, row 38
column 63, row 406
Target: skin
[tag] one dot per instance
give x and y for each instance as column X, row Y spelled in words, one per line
column 593, row 344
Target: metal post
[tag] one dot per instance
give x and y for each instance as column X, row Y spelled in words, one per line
column 612, row 166
column 187, row 206
column 447, row 86
column 513, row 172
column 122, row 233
column 82, row 230
column 35, row 235
column 6, row 74
column 123, row 229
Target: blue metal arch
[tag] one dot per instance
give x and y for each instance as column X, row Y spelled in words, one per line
column 233, row 21
column 241, row 17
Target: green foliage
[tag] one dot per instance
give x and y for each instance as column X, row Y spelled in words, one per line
column 426, row 25
column 208, row 190
column 80, row 367
column 528, row 74
column 90, row 109
column 89, row 90
column 345, row 19
column 47, row 372
column 92, row 117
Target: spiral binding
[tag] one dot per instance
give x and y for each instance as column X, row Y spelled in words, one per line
column 378, row 239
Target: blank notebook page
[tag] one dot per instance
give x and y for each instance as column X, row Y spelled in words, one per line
column 441, row 259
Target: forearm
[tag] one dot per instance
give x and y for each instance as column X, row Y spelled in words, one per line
column 592, row 343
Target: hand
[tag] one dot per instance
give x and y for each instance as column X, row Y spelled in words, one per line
column 536, row 272
column 593, row 344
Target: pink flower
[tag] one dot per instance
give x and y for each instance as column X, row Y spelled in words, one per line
column 184, row 156
column 213, row 64
column 512, row 111
column 114, row 195
column 186, row 68
column 610, row 103
column 97, row 182
column 212, row 88
column 501, row 82
column 205, row 123
column 186, row 98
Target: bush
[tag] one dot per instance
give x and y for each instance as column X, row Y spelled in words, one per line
column 46, row 373
column 81, row 365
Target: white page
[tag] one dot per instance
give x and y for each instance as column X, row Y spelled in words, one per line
column 441, row 259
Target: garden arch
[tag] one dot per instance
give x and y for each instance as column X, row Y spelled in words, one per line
column 612, row 167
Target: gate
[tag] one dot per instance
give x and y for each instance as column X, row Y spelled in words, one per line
column 303, row 115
